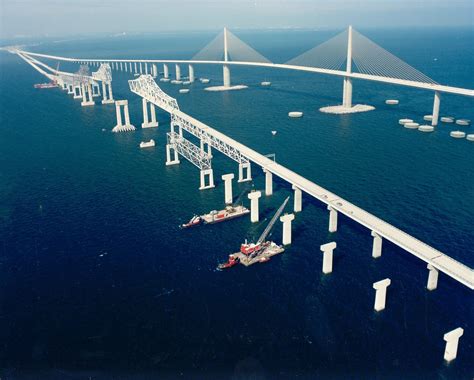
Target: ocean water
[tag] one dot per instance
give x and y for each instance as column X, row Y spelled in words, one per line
column 97, row 280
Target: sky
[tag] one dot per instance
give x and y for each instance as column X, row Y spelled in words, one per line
column 39, row 18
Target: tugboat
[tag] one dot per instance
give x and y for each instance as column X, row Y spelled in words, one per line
column 233, row 260
column 195, row 221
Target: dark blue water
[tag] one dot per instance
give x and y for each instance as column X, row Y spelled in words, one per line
column 97, row 281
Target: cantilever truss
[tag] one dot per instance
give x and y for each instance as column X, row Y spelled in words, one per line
column 104, row 73
column 146, row 87
column 189, row 151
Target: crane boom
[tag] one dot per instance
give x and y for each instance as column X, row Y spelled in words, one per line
column 265, row 233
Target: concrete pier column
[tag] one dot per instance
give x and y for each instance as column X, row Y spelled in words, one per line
column 432, row 278
column 130, row 66
column 347, row 93
column 332, row 219
column 95, row 90
column 154, row 71
column 452, row 342
column 166, row 71
column 125, row 64
column 178, row 72
column 175, row 159
column 127, row 114
column 104, row 93
column 436, row 103
column 226, row 75
column 268, row 182
column 91, row 94
column 227, row 178
column 245, row 168
column 135, row 66
column 70, row 89
column 327, row 250
column 381, row 293
column 254, row 213
column 154, row 122
column 141, row 68
column 191, row 73
column 77, row 91
column 87, row 99
column 286, row 220
column 121, row 66
column 146, row 68
column 298, row 202
column 119, row 114
column 209, row 184
column 111, row 95
column 83, row 93
column 145, row 113
column 377, row 246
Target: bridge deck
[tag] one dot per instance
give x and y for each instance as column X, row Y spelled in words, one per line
column 430, row 255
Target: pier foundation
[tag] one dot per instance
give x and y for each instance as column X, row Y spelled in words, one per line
column 70, row 89
column 452, row 342
column 146, row 122
column 298, row 200
column 77, row 91
column 107, row 98
column 254, row 213
column 227, row 178
column 286, row 220
column 207, row 179
column 122, row 127
column 166, row 71
column 432, row 277
column 154, row 71
column 268, row 182
column 377, row 246
column 327, row 250
column 381, row 293
column 332, row 219
column 87, row 99
column 246, row 169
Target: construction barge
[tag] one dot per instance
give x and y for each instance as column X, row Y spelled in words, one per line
column 259, row 252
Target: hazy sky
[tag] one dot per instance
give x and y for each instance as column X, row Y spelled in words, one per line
column 66, row 17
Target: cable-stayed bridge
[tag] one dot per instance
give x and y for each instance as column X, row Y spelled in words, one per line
column 349, row 55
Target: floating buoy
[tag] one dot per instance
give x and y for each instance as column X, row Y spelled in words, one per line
column 426, row 128
column 470, row 137
column 411, row 125
column 147, row 144
column 447, row 119
column 184, row 91
column 391, row 101
column 403, row 121
column 295, row 114
column 266, row 83
column 274, row 133
column 428, row 117
column 458, row 134
column 463, row 122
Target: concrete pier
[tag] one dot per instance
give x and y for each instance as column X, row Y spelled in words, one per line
column 191, row 73
column 227, row 178
column 377, row 246
column 141, row 68
column 298, row 203
column 77, row 91
column 146, row 122
column 226, row 75
column 130, row 67
column 207, row 179
column 254, row 213
column 432, row 277
column 166, row 71
column 347, row 91
column 95, row 89
column 436, row 103
column 332, row 219
column 246, row 169
column 135, row 67
column 175, row 159
column 121, row 66
column 327, row 250
column 154, row 71
column 452, row 342
column 268, row 182
column 178, row 72
column 107, row 98
column 87, row 99
column 122, row 127
column 146, row 68
column 381, row 293
column 286, row 220
column 70, row 89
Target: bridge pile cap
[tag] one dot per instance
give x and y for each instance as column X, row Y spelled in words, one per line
column 392, row 101
column 463, row 122
column 470, row 137
column 428, row 117
column 426, row 128
column 411, row 125
column 458, row 134
column 295, row 114
column 447, row 119
column 403, row 121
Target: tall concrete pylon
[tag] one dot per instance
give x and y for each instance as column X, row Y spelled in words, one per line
column 347, row 92
column 225, row 68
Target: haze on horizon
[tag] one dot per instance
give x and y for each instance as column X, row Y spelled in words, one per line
column 39, row 18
